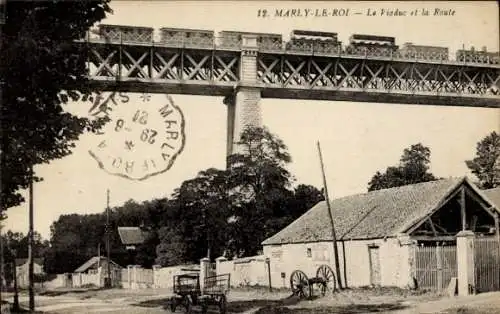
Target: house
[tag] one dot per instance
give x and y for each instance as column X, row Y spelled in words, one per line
column 22, row 270
column 381, row 234
column 94, row 271
column 92, row 265
column 132, row 236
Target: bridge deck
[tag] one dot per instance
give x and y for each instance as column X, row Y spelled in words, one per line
column 183, row 69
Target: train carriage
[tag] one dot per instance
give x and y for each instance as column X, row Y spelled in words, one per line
column 265, row 41
column 185, row 37
column 315, row 42
column 422, row 52
column 371, row 45
column 474, row 56
column 129, row 34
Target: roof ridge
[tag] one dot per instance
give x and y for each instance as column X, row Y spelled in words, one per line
column 355, row 209
column 401, row 187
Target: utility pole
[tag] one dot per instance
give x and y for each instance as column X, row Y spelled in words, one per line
column 1, row 263
column 107, row 282
column 3, row 8
column 30, row 246
column 334, row 236
column 15, row 305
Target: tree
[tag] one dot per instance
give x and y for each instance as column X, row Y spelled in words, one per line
column 203, row 213
column 486, row 165
column 259, row 183
column 146, row 252
column 413, row 168
column 45, row 70
column 172, row 247
column 15, row 245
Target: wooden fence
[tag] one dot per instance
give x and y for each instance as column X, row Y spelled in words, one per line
column 487, row 264
column 435, row 266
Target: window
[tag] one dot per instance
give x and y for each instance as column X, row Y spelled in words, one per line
column 309, row 252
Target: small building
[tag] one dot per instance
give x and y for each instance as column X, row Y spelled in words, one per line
column 381, row 234
column 92, row 265
column 22, row 270
column 131, row 237
column 95, row 270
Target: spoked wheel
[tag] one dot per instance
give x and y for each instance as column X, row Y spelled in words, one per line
column 173, row 304
column 299, row 283
column 222, row 304
column 204, row 307
column 326, row 273
column 188, row 304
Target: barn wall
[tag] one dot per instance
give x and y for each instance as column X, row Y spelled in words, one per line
column 394, row 261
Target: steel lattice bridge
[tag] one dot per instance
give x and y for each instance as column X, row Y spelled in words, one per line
column 186, row 61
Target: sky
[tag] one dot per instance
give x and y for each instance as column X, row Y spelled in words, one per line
column 357, row 139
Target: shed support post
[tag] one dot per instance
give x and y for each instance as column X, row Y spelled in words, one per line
column 462, row 209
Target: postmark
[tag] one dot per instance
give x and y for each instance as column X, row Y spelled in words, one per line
column 142, row 138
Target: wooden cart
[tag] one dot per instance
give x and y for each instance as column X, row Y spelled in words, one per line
column 188, row 292
column 302, row 286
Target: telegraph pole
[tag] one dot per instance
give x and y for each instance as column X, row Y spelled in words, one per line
column 334, row 236
column 30, row 245
column 3, row 5
column 107, row 282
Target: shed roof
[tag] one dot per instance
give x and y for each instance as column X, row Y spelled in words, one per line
column 91, row 262
column 494, row 196
column 370, row 215
column 132, row 235
column 22, row 261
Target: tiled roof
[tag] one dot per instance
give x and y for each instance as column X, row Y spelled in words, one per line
column 494, row 196
column 91, row 262
column 370, row 215
column 132, row 235
column 22, row 261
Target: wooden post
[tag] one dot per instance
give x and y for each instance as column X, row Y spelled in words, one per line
column 497, row 233
column 268, row 262
column 107, row 282
column 334, row 236
column 15, row 305
column 1, row 264
column 439, row 265
column 462, row 209
column 30, row 246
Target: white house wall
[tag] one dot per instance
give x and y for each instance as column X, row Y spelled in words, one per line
column 394, row 265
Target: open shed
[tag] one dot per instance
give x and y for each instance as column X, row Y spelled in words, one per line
column 393, row 237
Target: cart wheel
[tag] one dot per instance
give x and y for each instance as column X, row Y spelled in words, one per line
column 173, row 304
column 222, row 304
column 188, row 304
column 326, row 273
column 299, row 283
column 204, row 307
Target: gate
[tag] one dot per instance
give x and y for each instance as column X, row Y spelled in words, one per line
column 487, row 264
column 212, row 269
column 435, row 266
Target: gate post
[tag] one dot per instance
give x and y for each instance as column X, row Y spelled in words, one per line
column 465, row 262
column 204, row 264
column 439, row 266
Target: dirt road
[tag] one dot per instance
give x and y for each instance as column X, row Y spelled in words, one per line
column 246, row 302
